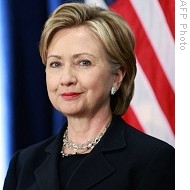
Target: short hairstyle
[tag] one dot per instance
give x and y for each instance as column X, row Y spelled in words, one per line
column 113, row 32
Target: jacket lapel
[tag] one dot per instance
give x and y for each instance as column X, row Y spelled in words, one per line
column 47, row 173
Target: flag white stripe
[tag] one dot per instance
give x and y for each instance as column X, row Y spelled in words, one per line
column 100, row 3
column 148, row 111
column 152, row 18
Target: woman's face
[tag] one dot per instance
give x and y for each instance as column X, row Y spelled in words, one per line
column 78, row 75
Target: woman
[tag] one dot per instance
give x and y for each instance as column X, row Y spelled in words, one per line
column 90, row 70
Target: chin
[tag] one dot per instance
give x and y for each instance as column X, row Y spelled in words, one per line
column 70, row 112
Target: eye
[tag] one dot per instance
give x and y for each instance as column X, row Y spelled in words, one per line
column 55, row 64
column 85, row 63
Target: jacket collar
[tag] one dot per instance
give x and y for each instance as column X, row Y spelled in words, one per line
column 114, row 139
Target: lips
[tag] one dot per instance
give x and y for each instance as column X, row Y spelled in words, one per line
column 70, row 95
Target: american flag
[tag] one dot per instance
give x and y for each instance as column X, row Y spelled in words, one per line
column 152, row 109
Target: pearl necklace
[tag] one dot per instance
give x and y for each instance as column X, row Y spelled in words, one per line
column 80, row 148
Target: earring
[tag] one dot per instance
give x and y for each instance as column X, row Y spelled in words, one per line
column 113, row 90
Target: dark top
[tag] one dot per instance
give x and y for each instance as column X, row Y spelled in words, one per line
column 67, row 166
column 124, row 159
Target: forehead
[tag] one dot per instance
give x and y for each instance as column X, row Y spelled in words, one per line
column 76, row 38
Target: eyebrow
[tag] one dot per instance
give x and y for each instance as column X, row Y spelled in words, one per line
column 75, row 55
column 56, row 56
column 79, row 54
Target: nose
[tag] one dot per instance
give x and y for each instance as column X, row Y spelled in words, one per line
column 68, row 76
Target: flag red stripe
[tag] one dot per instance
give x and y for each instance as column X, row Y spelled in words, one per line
column 131, row 119
column 149, row 62
column 169, row 12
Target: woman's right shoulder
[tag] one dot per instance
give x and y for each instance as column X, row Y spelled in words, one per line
column 32, row 152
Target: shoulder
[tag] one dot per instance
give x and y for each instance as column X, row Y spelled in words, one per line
column 25, row 161
column 34, row 154
column 143, row 140
column 149, row 152
column 38, row 146
column 139, row 142
column 152, row 160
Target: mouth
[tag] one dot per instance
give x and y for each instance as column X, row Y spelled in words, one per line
column 70, row 95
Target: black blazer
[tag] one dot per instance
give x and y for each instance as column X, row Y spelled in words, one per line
column 124, row 159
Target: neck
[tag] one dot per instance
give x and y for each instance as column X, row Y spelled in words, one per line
column 81, row 130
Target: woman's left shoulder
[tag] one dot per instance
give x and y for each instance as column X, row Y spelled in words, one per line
column 145, row 141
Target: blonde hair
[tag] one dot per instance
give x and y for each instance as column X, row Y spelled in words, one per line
column 114, row 34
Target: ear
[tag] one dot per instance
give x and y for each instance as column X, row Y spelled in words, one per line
column 118, row 77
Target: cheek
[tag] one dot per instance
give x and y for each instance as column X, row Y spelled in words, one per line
column 51, row 83
column 99, row 82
